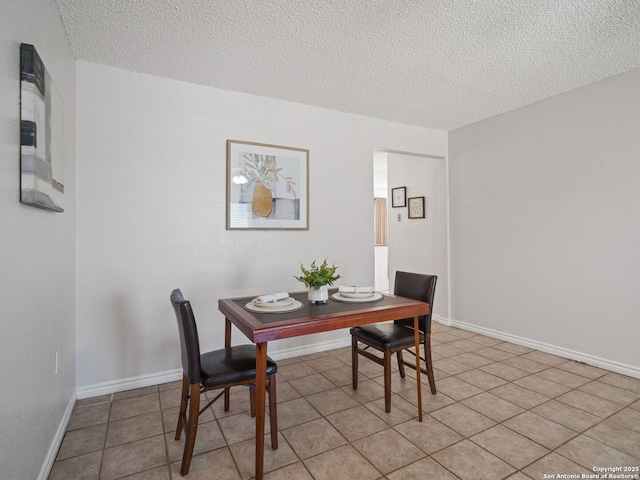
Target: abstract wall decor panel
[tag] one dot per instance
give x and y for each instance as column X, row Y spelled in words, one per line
column 41, row 134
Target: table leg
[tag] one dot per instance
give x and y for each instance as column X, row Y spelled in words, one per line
column 227, row 344
column 261, row 387
column 416, row 333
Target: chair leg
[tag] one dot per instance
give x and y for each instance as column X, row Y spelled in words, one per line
column 401, row 364
column 227, row 396
column 252, row 400
column 273, row 412
column 387, row 381
column 183, row 405
column 191, row 429
column 429, row 362
column 354, row 362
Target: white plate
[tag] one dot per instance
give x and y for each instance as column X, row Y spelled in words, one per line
column 357, row 295
column 372, row 298
column 295, row 305
column 285, row 302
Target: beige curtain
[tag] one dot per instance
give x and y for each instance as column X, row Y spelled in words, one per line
column 380, row 221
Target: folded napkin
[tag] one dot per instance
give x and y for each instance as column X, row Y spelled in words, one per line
column 273, row 298
column 354, row 289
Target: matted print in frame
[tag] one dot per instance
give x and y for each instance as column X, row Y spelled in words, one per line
column 267, row 187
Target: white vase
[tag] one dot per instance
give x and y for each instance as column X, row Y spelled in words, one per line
column 319, row 295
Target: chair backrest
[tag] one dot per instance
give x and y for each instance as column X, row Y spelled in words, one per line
column 420, row 287
column 189, row 342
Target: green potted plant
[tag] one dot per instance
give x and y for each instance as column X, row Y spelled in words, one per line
column 318, row 278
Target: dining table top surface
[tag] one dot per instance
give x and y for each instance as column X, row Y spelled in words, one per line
column 316, row 317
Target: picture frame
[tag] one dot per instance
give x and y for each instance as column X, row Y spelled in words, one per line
column 416, row 207
column 41, row 134
column 267, row 187
column 398, row 197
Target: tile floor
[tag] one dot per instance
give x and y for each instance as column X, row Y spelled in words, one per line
column 502, row 411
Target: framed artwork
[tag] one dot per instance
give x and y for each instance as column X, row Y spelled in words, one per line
column 416, row 207
column 267, row 187
column 399, row 197
column 41, row 134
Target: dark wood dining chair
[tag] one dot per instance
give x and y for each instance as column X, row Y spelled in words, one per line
column 398, row 336
column 218, row 369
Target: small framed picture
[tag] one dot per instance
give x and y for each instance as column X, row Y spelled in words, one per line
column 416, row 207
column 399, row 197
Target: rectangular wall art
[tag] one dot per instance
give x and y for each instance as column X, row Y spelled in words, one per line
column 41, row 134
column 267, row 187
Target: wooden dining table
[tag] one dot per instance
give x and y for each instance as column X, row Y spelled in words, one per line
column 261, row 328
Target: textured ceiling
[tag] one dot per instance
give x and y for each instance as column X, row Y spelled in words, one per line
column 439, row 64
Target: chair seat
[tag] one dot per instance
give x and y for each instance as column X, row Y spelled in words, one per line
column 386, row 336
column 231, row 365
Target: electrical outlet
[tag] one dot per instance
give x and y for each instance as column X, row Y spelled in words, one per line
column 57, row 360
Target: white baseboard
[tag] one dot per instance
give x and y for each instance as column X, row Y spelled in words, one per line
column 611, row 365
column 57, row 440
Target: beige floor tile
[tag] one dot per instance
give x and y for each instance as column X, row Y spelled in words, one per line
column 450, row 366
column 239, row 401
column 240, row 427
column 519, row 476
column 356, row 422
column 539, row 429
column 609, row 392
column 493, row 407
column 617, row 436
column 367, row 391
column 339, row 376
column 344, row 463
column 85, row 402
column 462, row 419
column 509, row 446
column 401, row 410
column 582, row 369
column 446, row 350
column 429, row 435
column 506, row 372
column 296, row 471
column 136, row 392
column 294, row 412
column 629, row 417
column 590, row 403
column 130, row 407
column 513, row 348
column 313, row 438
column 565, row 378
column 458, row 332
column 216, row 464
column 82, row 441
column 635, row 405
column 566, row 415
column 553, row 464
column 244, row 454
column 545, row 358
column 331, row 401
column 484, row 340
column 311, row 384
column 328, row 362
column 470, row 462
column 285, row 392
column 134, row 428
column 426, row 468
column 525, row 364
column 171, row 397
column 472, row 359
column 457, row 389
column 83, row 467
column 158, row 473
column 466, row 345
column 89, row 416
column 133, row 457
column 590, row 453
column 388, row 450
column 170, row 385
column 541, row 385
column 439, row 338
column 170, row 418
column 430, row 402
column 481, row 379
column 622, row 381
column 521, row 396
column 209, row 437
column 295, row 370
column 493, row 353
column 399, row 384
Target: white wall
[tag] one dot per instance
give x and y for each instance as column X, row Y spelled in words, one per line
column 420, row 244
column 37, row 258
column 546, row 225
column 151, row 212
